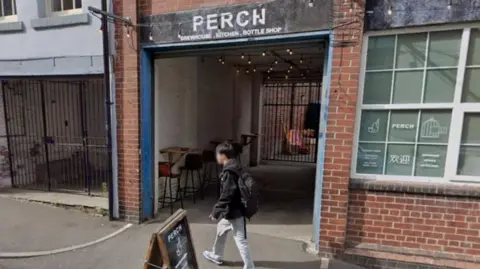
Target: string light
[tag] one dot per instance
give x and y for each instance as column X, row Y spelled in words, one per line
column 243, row 56
column 264, row 53
column 247, row 71
column 286, row 76
column 238, row 70
column 291, row 52
column 276, row 61
column 389, row 11
column 288, row 50
column 219, row 59
column 288, row 71
column 291, row 67
column 128, row 32
column 449, row 6
column 254, row 69
column 311, row 3
column 249, row 60
column 301, row 59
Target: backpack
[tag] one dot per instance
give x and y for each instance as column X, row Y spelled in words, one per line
column 249, row 192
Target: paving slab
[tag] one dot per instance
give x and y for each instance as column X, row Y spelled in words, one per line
column 26, row 226
column 128, row 251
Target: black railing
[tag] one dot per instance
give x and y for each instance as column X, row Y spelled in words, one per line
column 290, row 121
column 56, row 134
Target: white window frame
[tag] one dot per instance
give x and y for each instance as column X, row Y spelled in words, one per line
column 49, row 9
column 457, row 107
column 9, row 18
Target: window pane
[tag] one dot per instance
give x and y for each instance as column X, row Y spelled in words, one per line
column 56, row 5
column 471, row 129
column 380, row 52
column 403, row 126
column 469, row 161
column 434, row 126
column 399, row 160
column 377, row 88
column 78, row 3
column 67, row 4
column 471, row 85
column 440, row 86
column 373, row 126
column 370, row 158
column 8, row 8
column 430, row 161
column 408, row 87
column 473, row 57
column 411, row 50
column 444, row 48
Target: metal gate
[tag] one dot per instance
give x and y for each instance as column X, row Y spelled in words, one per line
column 56, row 134
column 290, row 121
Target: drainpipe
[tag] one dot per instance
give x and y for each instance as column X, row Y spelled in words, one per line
column 111, row 127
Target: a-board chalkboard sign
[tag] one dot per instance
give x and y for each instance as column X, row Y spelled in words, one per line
column 174, row 243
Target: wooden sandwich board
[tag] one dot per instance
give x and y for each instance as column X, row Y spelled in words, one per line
column 172, row 247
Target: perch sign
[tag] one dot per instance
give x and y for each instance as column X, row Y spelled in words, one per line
column 172, row 247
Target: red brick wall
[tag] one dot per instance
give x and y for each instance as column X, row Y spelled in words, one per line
column 340, row 125
column 127, row 105
column 435, row 223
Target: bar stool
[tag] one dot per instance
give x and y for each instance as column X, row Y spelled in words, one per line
column 165, row 171
column 238, row 148
column 210, row 166
column 193, row 163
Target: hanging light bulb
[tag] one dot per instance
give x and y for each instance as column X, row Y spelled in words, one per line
column 311, row 3
column 243, row 56
column 276, row 61
column 128, row 32
column 150, row 36
column 290, row 52
column 254, row 69
column 286, row 76
column 389, row 11
column 249, row 60
column 271, row 68
column 301, row 59
column 264, row 53
column 220, row 59
column 268, row 71
column 291, row 67
column 238, row 70
column 449, row 6
column 268, row 77
column 288, row 71
column 247, row 71
column 223, row 62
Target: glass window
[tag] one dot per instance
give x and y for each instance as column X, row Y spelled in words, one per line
column 410, row 117
column 408, row 87
column 64, row 5
column 380, row 53
column 377, row 88
column 411, row 50
column 469, row 157
column 8, row 8
column 444, row 49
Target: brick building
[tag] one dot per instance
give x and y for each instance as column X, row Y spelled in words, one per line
column 394, row 168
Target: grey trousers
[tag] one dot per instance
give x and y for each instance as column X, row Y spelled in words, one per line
column 237, row 226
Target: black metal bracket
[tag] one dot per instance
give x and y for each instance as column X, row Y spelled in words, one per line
column 127, row 21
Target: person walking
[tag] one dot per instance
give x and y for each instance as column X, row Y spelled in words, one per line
column 236, row 203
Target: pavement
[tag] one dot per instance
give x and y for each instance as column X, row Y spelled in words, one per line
column 32, row 227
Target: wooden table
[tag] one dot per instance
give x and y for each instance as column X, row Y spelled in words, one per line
column 175, row 154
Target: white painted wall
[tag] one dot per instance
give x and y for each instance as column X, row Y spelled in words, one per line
column 197, row 101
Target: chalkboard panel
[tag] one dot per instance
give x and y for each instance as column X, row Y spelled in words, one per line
column 176, row 244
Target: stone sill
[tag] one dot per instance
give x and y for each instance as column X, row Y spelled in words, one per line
column 436, row 258
column 60, row 21
column 439, row 189
column 11, row 27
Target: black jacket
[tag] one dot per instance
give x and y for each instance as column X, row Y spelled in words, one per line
column 229, row 204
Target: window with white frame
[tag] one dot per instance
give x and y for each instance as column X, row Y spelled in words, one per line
column 8, row 10
column 419, row 110
column 62, row 7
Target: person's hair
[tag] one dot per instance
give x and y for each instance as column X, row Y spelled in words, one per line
column 226, row 148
